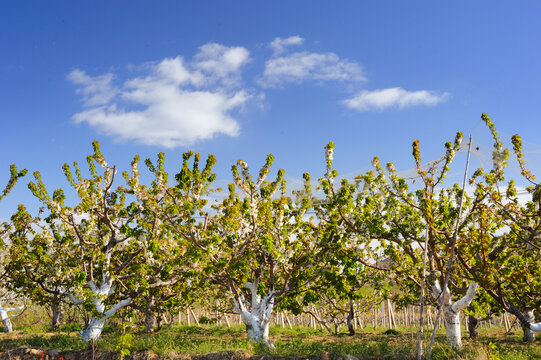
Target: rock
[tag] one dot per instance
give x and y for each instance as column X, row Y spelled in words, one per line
column 33, row 351
column 52, row 352
column 325, row 355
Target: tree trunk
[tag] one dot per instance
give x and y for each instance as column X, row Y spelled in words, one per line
column 8, row 327
column 257, row 330
column 452, row 326
column 451, row 312
column 58, row 315
column 529, row 335
column 94, row 329
column 150, row 321
column 6, row 319
column 257, row 319
column 97, row 322
column 351, row 317
column 473, row 326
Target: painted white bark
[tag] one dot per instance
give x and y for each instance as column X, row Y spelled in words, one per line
column 93, row 330
column 6, row 318
column 257, row 317
column 6, row 321
column 451, row 311
column 95, row 327
column 97, row 322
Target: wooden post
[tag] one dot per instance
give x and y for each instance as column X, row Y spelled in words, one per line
column 392, row 320
column 194, row 317
column 383, row 319
column 506, row 322
column 289, row 322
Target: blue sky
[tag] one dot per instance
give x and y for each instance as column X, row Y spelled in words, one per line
column 241, row 79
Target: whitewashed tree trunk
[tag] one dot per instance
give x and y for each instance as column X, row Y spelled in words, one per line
column 8, row 327
column 93, row 330
column 257, row 317
column 97, row 322
column 6, row 318
column 451, row 312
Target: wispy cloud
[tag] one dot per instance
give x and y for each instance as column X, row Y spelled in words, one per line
column 175, row 103
column 221, row 62
column 279, row 45
column 94, row 90
column 297, row 67
column 396, row 97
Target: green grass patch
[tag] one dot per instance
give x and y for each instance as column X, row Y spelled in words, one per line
column 296, row 342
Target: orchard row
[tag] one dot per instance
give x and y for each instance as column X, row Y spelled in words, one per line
column 162, row 245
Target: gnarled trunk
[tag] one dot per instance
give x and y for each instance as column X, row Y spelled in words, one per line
column 256, row 328
column 150, row 321
column 150, row 316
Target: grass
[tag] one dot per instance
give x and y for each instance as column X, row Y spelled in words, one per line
column 300, row 341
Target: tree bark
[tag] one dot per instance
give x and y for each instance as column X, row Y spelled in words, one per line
column 97, row 322
column 351, row 317
column 6, row 318
column 150, row 321
column 529, row 334
column 94, row 329
column 452, row 326
column 8, row 327
column 58, row 315
column 473, row 326
column 257, row 319
column 257, row 329
column 451, row 312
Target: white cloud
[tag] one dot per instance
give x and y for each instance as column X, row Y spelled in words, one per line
column 94, row 90
column 302, row 66
column 396, row 97
column 220, row 60
column 174, row 104
column 279, row 44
